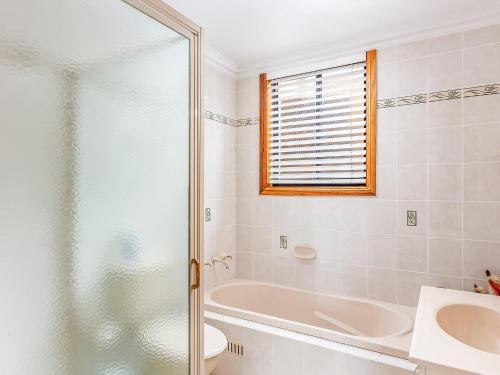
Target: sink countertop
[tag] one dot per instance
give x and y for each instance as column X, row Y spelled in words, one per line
column 432, row 347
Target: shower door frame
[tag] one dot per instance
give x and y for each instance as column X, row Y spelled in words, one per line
column 169, row 17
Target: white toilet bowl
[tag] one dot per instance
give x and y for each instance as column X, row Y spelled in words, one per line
column 215, row 344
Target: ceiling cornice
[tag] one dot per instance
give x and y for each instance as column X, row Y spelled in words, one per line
column 220, row 61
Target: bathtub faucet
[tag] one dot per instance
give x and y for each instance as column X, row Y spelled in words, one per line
column 224, row 258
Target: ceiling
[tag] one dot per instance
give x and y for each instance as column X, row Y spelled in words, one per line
column 262, row 32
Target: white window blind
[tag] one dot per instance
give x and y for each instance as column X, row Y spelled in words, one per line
column 317, row 128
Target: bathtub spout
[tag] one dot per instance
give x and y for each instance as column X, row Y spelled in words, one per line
column 224, row 259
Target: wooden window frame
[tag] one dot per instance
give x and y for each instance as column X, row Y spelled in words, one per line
column 266, row 188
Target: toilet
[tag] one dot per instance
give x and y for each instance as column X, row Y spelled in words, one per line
column 215, row 344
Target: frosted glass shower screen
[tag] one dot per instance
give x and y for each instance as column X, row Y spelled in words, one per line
column 95, row 190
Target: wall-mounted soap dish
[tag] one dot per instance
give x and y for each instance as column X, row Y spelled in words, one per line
column 304, row 252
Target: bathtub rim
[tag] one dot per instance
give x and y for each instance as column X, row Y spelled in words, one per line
column 347, row 349
column 393, row 345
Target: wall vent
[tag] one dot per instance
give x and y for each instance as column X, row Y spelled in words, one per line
column 234, row 348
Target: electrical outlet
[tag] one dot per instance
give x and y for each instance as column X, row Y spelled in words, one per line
column 411, row 218
column 283, row 242
column 208, row 214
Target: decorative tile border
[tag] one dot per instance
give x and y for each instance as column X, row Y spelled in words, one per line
column 209, row 115
column 248, row 121
column 470, row 92
column 410, row 100
column 444, row 95
column 481, row 90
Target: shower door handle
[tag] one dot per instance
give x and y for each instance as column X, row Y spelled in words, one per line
column 195, row 263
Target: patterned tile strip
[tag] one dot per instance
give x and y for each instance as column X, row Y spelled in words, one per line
column 248, row 121
column 469, row 92
column 209, row 115
column 481, row 90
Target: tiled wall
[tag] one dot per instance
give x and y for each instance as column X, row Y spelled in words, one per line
column 438, row 152
column 220, row 153
column 271, row 351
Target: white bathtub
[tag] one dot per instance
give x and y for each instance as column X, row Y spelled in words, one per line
column 382, row 327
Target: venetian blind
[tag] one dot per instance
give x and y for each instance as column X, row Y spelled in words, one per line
column 317, row 128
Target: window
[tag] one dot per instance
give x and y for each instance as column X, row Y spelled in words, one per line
column 317, row 131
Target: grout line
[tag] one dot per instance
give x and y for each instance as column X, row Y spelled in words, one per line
column 396, row 157
column 462, row 169
column 428, row 146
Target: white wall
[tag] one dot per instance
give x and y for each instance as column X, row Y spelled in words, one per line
column 440, row 158
column 220, row 156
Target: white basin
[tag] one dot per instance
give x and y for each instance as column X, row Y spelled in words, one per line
column 476, row 326
column 457, row 332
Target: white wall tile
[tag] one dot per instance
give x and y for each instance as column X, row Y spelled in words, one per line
column 412, row 182
column 411, row 117
column 409, row 284
column 305, row 212
column 263, row 239
column 244, row 265
column 328, row 245
column 484, row 35
column 381, row 250
column 480, row 256
column 481, row 109
column 411, row 77
column 319, row 361
column 444, row 113
column 354, row 280
column 445, row 43
column 482, row 143
column 354, row 214
column 329, row 214
column 481, row 65
column 263, row 267
column 421, row 207
column 445, row 219
column 445, row 182
column 263, row 212
column 386, row 81
column 445, row 256
column 283, row 211
column 283, row 270
column 287, row 356
column 386, row 149
column 381, row 217
column 412, row 253
column 445, row 145
column 386, row 182
column 353, row 248
column 445, row 71
column 479, row 180
column 412, row 147
column 386, row 120
column 411, row 50
column 382, row 284
column 481, row 221
column 289, row 232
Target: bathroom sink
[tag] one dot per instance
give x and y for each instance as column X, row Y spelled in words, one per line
column 473, row 325
column 457, row 332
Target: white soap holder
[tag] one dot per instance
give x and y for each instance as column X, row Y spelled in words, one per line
column 304, row 252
